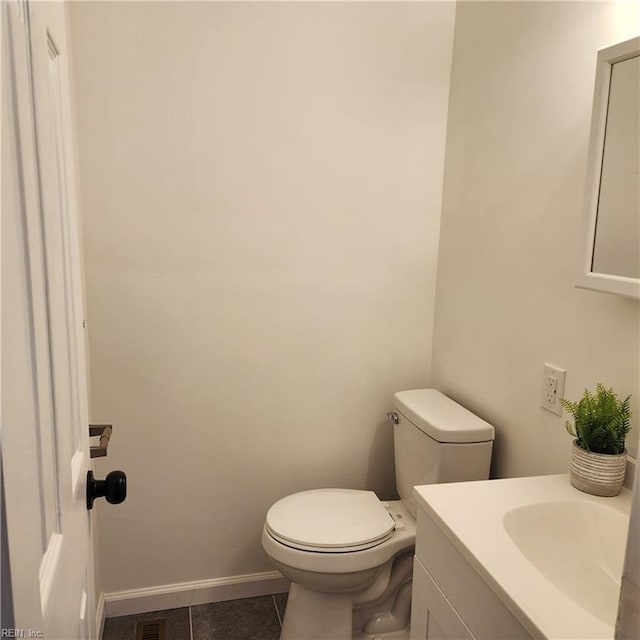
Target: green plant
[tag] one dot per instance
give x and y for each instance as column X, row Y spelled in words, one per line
column 601, row 421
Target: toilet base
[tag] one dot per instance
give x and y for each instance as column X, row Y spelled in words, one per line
column 303, row 605
column 335, row 622
column 380, row 612
column 392, row 635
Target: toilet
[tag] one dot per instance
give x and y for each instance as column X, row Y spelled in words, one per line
column 349, row 555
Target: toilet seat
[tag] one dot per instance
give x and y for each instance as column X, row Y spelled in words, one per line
column 330, row 521
column 402, row 538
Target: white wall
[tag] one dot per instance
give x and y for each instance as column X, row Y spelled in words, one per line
column 261, row 194
column 520, row 106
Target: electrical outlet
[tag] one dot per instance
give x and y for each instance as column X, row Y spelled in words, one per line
column 549, row 399
column 553, row 388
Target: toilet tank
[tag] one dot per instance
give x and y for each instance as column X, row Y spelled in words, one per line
column 437, row 440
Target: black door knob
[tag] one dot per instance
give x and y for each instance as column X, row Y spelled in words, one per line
column 113, row 488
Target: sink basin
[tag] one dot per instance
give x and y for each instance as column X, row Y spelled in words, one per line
column 577, row 545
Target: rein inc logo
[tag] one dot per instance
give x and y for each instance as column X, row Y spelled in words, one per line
column 21, row 633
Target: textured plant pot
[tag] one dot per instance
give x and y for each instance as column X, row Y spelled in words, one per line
column 599, row 474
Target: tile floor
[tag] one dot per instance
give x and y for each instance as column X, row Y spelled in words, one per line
column 257, row 618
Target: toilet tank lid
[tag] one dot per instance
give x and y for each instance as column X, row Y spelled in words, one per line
column 441, row 418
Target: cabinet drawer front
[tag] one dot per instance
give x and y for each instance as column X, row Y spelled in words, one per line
column 480, row 608
column 432, row 616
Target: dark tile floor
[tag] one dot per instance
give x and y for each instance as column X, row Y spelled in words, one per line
column 257, row 618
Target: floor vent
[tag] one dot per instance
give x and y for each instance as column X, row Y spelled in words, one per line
column 151, row 630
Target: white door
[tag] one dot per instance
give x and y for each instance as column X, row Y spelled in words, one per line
column 43, row 392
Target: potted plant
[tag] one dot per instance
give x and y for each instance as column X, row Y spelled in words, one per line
column 601, row 423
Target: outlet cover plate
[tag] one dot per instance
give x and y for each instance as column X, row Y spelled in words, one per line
column 553, row 388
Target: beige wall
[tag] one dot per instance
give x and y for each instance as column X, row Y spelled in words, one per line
column 520, row 107
column 261, row 194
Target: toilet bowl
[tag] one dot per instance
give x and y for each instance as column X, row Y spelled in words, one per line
column 348, row 554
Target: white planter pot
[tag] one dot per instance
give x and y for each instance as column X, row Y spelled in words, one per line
column 599, row 474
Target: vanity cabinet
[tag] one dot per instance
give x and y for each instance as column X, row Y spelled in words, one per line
column 450, row 600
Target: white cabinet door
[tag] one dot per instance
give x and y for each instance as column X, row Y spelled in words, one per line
column 43, row 392
column 432, row 616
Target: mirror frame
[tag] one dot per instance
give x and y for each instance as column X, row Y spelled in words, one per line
column 587, row 278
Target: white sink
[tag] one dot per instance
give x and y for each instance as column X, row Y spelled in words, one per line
column 552, row 554
column 577, row 545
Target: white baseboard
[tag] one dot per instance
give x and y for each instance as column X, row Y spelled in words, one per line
column 100, row 616
column 184, row 594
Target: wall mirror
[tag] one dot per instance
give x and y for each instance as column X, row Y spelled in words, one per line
column 611, row 259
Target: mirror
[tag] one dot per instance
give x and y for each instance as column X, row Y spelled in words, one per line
column 611, row 260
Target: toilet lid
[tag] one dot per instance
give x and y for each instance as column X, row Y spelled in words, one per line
column 330, row 520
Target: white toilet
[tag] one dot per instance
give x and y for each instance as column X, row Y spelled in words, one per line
column 349, row 555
